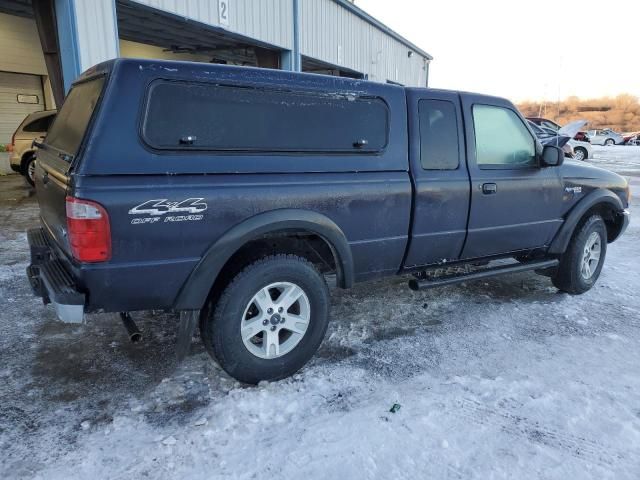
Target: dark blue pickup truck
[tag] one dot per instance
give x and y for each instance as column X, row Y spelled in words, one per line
column 228, row 194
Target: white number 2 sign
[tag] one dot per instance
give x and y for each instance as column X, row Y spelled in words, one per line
column 223, row 12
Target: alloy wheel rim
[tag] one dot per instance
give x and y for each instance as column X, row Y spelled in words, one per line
column 579, row 155
column 591, row 255
column 31, row 170
column 275, row 320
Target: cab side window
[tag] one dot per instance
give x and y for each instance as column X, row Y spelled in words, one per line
column 502, row 140
column 438, row 135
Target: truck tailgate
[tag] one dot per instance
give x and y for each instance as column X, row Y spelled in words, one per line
column 57, row 156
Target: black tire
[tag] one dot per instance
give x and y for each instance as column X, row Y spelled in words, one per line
column 569, row 277
column 609, row 142
column 26, row 164
column 583, row 151
column 220, row 325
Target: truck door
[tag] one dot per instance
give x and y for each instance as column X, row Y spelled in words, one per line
column 515, row 202
column 441, row 179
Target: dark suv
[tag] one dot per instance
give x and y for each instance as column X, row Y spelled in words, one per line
column 228, row 194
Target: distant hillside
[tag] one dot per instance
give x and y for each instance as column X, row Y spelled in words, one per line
column 621, row 113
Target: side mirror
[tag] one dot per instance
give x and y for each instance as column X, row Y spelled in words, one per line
column 552, row 156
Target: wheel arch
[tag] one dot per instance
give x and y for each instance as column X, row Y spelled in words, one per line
column 26, row 155
column 602, row 202
column 195, row 291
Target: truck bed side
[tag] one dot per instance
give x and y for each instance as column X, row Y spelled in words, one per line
column 368, row 196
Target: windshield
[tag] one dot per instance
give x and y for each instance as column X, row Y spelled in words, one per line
column 71, row 124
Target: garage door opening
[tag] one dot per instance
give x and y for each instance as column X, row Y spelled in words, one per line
column 20, row 95
column 311, row 65
column 149, row 33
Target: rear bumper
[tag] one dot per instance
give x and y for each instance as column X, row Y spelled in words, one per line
column 15, row 161
column 51, row 280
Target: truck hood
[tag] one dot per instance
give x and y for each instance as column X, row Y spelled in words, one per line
column 588, row 177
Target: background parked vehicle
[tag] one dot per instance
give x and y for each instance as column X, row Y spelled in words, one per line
column 606, row 137
column 581, row 150
column 33, row 127
column 632, row 138
column 581, row 136
column 572, row 148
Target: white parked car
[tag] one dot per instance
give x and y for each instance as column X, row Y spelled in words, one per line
column 581, row 150
column 605, row 137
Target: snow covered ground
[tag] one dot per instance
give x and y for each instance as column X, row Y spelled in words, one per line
column 505, row 378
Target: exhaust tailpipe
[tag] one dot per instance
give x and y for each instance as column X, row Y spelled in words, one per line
column 135, row 335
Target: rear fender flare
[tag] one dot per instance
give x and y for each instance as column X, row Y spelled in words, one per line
column 597, row 197
column 195, row 290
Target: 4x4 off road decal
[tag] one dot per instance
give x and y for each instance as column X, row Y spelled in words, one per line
column 163, row 210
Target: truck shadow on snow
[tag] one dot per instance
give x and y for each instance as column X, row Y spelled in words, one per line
column 380, row 326
column 93, row 373
column 97, row 361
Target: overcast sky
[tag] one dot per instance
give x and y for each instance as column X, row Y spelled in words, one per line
column 523, row 49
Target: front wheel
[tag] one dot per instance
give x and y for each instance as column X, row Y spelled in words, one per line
column 609, row 142
column 581, row 264
column 270, row 319
column 579, row 153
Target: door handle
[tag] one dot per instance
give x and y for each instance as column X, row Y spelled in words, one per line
column 489, row 188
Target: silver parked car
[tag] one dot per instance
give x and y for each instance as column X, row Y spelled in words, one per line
column 605, row 137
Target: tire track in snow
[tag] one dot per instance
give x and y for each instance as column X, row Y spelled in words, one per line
column 579, row 447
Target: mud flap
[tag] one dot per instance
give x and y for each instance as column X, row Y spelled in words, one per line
column 186, row 328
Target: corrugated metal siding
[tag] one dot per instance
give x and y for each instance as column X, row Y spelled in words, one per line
column 331, row 33
column 20, row 49
column 269, row 21
column 97, row 32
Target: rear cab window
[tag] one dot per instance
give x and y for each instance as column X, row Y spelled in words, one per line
column 439, row 149
column 71, row 123
column 187, row 115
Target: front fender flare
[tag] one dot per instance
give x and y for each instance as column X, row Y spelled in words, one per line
column 600, row 196
column 195, row 290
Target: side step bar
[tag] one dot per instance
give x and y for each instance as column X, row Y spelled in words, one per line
column 416, row 284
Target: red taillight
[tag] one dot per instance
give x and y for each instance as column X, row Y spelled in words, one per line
column 88, row 230
column 12, row 145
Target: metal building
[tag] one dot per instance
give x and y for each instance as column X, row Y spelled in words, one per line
column 46, row 44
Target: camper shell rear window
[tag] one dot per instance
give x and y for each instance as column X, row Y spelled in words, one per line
column 201, row 116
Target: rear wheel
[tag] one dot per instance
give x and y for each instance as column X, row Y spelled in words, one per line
column 29, row 169
column 581, row 264
column 270, row 319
